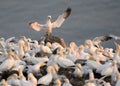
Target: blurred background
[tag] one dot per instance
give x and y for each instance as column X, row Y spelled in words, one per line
column 89, row 18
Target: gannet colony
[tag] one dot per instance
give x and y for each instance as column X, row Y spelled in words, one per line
column 52, row 62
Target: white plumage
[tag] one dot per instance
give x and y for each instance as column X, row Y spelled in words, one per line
column 45, row 80
column 50, row 25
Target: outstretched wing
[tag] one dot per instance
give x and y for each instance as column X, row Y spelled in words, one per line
column 106, row 38
column 115, row 37
column 36, row 26
column 61, row 18
column 102, row 38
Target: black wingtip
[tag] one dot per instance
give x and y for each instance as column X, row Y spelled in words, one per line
column 68, row 12
column 106, row 38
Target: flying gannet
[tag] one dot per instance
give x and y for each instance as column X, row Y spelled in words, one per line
column 98, row 40
column 50, row 25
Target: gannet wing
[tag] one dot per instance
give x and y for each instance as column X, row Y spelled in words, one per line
column 102, row 38
column 106, row 38
column 36, row 26
column 115, row 37
column 61, row 18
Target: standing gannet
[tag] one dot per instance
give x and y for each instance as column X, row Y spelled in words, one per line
column 32, row 79
column 62, row 61
column 78, row 70
column 46, row 80
column 8, row 63
column 50, row 25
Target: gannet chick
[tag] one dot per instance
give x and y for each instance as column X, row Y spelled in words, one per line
column 32, row 79
column 67, row 82
column 46, row 80
column 50, row 25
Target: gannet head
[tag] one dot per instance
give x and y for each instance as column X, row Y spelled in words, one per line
column 42, row 42
column 49, row 17
column 30, row 75
column 58, row 82
column 41, row 64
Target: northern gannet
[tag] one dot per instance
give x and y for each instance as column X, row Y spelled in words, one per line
column 50, row 25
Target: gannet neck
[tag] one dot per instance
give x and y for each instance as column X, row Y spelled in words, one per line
column 91, row 75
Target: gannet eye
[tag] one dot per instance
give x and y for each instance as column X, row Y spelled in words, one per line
column 13, row 50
